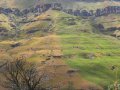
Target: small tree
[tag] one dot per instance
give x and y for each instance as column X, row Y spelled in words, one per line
column 21, row 75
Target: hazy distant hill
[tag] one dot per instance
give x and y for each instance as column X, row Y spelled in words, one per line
column 69, row 3
column 17, row 3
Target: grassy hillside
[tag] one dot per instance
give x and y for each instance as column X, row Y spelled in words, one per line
column 71, row 39
column 93, row 55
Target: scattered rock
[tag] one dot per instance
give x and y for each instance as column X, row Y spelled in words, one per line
column 89, row 55
column 15, row 45
column 72, row 71
column 32, row 31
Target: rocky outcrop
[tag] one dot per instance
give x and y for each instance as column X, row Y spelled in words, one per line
column 58, row 6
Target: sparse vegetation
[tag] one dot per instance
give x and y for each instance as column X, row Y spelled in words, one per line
column 21, row 75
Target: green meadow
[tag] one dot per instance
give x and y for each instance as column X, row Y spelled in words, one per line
column 93, row 55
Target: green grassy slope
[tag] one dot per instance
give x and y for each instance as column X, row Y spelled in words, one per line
column 93, row 55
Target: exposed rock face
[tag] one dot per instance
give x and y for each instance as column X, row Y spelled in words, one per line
column 15, row 45
column 58, row 6
column 3, row 30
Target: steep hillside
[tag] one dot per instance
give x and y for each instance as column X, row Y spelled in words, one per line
column 54, row 21
column 91, row 54
column 46, row 49
column 74, row 48
column 57, row 38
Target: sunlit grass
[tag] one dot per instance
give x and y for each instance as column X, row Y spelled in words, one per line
column 106, row 52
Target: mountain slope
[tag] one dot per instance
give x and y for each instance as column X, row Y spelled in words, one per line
column 91, row 54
